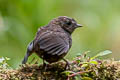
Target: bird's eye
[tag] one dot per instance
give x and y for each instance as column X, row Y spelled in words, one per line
column 68, row 23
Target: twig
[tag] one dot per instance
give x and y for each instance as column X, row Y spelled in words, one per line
column 74, row 74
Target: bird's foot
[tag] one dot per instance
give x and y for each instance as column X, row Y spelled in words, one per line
column 67, row 66
column 44, row 67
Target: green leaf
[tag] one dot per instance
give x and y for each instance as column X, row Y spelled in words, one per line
column 2, row 59
column 7, row 58
column 103, row 53
column 87, row 78
column 93, row 62
column 78, row 54
column 84, row 65
column 78, row 77
column 67, row 72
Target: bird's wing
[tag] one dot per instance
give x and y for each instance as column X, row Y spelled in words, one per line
column 54, row 43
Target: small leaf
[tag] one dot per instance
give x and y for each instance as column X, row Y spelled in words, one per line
column 87, row 78
column 78, row 60
column 67, row 72
column 78, row 54
column 84, row 65
column 78, row 77
column 7, row 58
column 2, row 59
column 93, row 62
column 103, row 53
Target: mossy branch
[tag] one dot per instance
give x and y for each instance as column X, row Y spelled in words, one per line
column 81, row 68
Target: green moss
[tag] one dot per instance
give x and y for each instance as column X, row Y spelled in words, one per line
column 81, row 68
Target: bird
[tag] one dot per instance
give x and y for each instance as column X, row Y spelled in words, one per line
column 53, row 41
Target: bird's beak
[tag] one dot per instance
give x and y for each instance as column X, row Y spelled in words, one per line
column 79, row 25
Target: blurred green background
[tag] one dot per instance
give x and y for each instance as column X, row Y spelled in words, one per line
column 20, row 19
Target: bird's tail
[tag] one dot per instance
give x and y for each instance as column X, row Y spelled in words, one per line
column 25, row 58
column 29, row 52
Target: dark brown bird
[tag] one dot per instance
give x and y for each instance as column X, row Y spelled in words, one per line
column 53, row 41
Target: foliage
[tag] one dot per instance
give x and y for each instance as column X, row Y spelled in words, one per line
column 3, row 62
column 81, row 68
column 86, row 68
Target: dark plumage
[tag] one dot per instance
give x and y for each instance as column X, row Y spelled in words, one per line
column 53, row 41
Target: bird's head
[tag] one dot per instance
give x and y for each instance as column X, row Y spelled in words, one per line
column 67, row 23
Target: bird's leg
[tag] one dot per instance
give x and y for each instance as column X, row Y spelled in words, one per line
column 44, row 64
column 67, row 66
column 44, row 67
